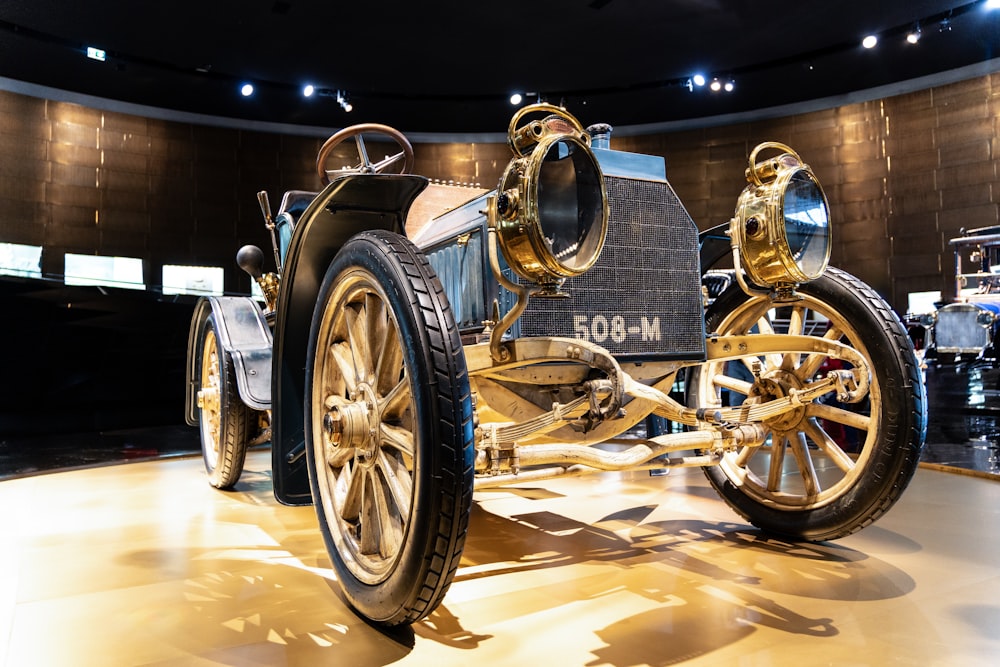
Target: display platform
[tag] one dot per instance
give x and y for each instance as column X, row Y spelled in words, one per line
column 146, row 564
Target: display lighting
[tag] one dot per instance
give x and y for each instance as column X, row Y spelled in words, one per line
column 96, row 54
column 869, row 42
column 246, row 90
column 308, row 90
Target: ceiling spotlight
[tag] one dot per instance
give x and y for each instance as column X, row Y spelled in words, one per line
column 96, row 54
column 343, row 102
column 945, row 25
column 516, row 99
column 869, row 42
column 913, row 36
column 716, row 85
column 308, row 90
column 698, row 79
column 729, row 85
column 992, row 4
column 246, row 89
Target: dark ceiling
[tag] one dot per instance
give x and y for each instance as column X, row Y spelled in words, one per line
column 449, row 67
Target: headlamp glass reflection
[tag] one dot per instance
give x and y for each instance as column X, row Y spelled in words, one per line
column 806, row 223
column 570, row 205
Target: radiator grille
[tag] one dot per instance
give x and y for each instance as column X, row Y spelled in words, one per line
column 643, row 297
column 958, row 331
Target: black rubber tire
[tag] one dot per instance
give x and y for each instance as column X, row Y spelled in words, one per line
column 224, row 426
column 888, row 443
column 393, row 509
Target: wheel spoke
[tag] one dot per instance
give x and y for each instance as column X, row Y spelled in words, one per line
column 388, row 161
column 343, row 361
column 765, row 326
column 812, row 362
column 843, row 416
column 358, row 338
column 776, row 467
column 381, row 525
column 800, row 450
column 796, row 327
column 362, row 153
column 397, row 438
column 389, row 369
column 828, row 445
column 350, row 485
column 372, row 510
column 397, row 481
column 733, row 384
column 395, row 404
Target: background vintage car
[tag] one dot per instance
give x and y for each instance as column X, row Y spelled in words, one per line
column 967, row 328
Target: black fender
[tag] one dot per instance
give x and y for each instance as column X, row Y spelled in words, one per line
column 242, row 330
column 347, row 206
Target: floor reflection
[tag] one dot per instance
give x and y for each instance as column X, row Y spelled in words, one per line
column 963, row 420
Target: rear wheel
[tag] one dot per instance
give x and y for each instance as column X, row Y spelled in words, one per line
column 224, row 420
column 826, row 469
column 389, row 429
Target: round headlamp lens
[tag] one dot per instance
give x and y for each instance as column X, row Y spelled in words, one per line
column 807, row 224
column 570, row 206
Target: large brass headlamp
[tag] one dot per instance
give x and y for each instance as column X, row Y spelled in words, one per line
column 550, row 211
column 782, row 221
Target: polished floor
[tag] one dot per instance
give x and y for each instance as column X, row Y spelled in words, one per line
column 145, row 564
column 105, row 563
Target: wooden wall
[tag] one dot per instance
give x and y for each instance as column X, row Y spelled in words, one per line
column 903, row 175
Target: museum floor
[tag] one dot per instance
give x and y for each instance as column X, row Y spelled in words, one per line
column 103, row 563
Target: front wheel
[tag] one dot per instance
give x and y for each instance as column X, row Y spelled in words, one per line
column 388, row 429
column 826, row 469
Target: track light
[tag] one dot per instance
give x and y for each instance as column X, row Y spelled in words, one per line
column 716, row 85
column 913, row 36
column 344, row 102
column 729, row 85
column 869, row 42
column 246, row 90
column 516, row 99
column 698, row 80
column 308, row 90
column 96, row 54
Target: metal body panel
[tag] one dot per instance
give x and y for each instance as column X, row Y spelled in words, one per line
column 243, row 332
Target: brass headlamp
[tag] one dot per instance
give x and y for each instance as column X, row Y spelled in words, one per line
column 550, row 211
column 782, row 223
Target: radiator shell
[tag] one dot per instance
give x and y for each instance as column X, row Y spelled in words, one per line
column 642, row 300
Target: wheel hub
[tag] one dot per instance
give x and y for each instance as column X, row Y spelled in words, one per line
column 773, row 385
column 353, row 426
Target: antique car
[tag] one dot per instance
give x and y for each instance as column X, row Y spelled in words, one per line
column 556, row 325
column 966, row 329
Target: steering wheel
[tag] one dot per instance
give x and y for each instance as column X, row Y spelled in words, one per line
column 366, row 166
